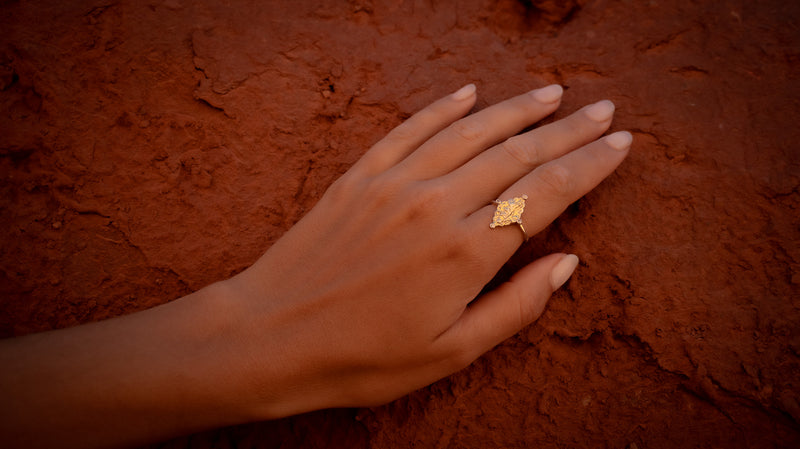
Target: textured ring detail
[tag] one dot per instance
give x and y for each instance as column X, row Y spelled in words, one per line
column 510, row 212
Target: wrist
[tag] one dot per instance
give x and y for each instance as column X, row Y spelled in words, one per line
column 135, row 379
column 214, row 319
column 278, row 369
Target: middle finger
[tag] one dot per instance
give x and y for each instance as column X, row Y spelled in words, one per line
column 465, row 138
column 551, row 188
column 488, row 174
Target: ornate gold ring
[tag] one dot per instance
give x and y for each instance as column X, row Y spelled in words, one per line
column 510, row 212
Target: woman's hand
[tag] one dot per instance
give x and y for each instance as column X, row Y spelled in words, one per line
column 375, row 292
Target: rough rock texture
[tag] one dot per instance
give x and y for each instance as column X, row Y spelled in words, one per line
column 148, row 149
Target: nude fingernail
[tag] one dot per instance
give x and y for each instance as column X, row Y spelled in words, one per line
column 600, row 111
column 619, row 140
column 464, row 93
column 548, row 94
column 563, row 270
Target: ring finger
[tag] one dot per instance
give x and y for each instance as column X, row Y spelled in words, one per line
column 550, row 189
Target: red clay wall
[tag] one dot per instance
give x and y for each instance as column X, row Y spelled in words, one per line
column 149, row 149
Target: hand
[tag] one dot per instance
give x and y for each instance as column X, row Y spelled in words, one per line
column 375, row 292
column 372, row 295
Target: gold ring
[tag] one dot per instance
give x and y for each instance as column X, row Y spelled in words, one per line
column 510, row 212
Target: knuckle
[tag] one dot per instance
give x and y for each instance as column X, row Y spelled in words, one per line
column 426, row 198
column 459, row 248
column 469, row 130
column 526, row 153
column 346, row 185
column 387, row 186
column 378, row 192
column 468, row 250
column 555, row 179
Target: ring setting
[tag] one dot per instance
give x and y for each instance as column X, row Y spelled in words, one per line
column 510, row 212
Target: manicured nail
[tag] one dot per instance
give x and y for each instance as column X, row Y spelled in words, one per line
column 549, row 94
column 620, row 140
column 600, row 111
column 464, row 93
column 563, row 270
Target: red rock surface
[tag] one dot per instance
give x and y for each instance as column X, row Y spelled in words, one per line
column 149, row 149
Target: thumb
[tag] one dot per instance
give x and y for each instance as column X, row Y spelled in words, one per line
column 502, row 312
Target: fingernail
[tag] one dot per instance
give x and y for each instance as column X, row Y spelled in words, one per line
column 548, row 94
column 620, row 140
column 464, row 93
column 563, row 270
column 600, row 111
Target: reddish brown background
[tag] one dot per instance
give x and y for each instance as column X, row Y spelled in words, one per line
column 149, row 149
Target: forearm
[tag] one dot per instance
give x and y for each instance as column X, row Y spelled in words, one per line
column 126, row 381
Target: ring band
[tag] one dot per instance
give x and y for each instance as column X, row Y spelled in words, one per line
column 510, row 212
